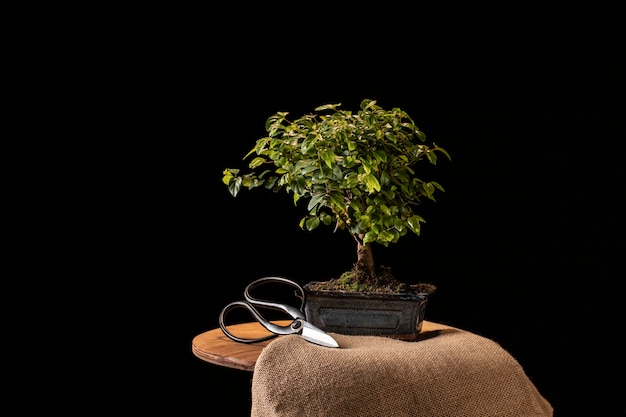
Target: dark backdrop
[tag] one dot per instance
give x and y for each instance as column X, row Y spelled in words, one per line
column 526, row 245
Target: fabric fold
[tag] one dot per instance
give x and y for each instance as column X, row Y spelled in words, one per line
column 446, row 372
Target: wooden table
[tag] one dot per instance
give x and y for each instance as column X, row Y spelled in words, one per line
column 215, row 347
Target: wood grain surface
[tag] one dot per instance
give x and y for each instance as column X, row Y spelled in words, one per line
column 215, row 347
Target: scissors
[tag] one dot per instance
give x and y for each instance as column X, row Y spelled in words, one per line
column 299, row 325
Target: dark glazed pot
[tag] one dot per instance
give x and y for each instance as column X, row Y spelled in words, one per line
column 394, row 315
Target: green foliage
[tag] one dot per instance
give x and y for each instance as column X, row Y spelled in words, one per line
column 356, row 171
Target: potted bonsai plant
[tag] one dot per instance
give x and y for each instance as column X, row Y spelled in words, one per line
column 357, row 172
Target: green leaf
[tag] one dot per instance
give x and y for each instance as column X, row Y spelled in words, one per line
column 351, row 179
column 226, row 178
column 432, row 157
column 443, row 151
column 256, row 162
column 414, row 223
column 380, row 155
column 336, row 198
column 235, row 186
column 385, row 179
column 312, row 223
column 315, row 199
column 436, row 184
column 328, row 156
column 327, row 107
column 372, row 183
column 429, row 189
column 386, row 236
column 367, row 167
column 369, row 237
column 388, row 193
column 308, row 144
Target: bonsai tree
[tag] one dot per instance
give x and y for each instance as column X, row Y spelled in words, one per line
column 355, row 172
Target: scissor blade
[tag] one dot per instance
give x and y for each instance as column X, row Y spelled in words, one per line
column 312, row 334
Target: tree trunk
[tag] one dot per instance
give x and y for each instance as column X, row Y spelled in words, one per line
column 365, row 268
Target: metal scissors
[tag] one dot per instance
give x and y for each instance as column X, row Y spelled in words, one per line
column 299, row 325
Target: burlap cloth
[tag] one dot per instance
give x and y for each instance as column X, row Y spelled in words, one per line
column 446, row 372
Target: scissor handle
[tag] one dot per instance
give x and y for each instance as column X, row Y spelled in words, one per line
column 292, row 311
column 294, row 327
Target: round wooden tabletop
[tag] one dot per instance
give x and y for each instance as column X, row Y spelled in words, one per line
column 215, row 347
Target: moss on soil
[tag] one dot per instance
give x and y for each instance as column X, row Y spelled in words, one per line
column 381, row 282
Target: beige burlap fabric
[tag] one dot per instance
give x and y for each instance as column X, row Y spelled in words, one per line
column 448, row 372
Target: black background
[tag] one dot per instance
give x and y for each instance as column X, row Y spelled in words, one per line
column 526, row 245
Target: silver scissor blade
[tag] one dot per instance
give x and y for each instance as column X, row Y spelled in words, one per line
column 312, row 334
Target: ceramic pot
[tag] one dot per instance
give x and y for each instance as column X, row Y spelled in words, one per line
column 395, row 315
